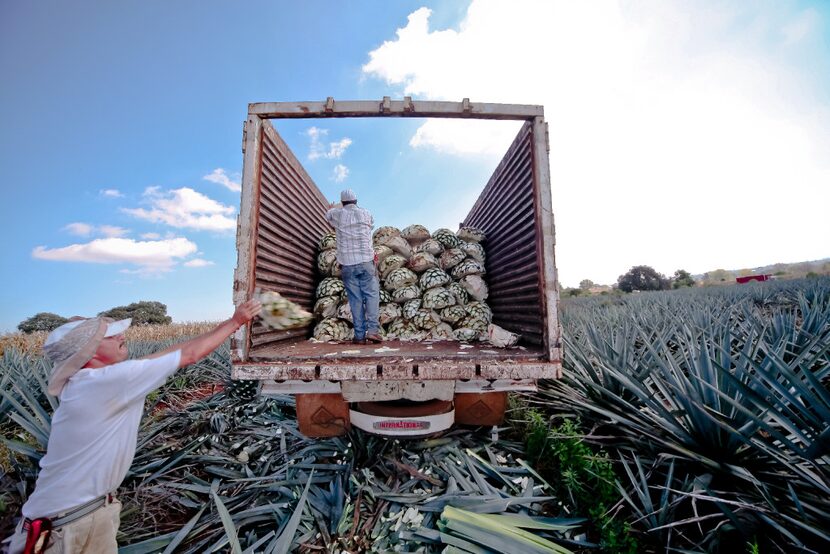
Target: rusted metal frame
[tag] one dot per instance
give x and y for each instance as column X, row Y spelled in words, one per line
column 284, row 177
column 320, row 386
column 288, row 232
column 517, row 273
column 512, row 211
column 281, row 231
column 287, row 261
column 409, row 389
column 513, row 181
column 270, row 386
column 497, row 385
column 448, row 370
column 545, row 234
column 246, row 231
column 512, row 228
column 274, row 194
column 510, row 208
column 513, row 216
column 394, row 108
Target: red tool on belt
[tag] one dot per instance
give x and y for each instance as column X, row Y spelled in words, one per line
column 37, row 535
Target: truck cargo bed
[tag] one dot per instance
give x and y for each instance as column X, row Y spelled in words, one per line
column 282, row 218
column 294, row 350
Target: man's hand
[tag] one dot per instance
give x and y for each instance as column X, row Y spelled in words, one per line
column 246, row 311
column 197, row 348
column 335, row 205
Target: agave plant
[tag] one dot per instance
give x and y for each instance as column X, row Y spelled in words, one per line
column 716, row 398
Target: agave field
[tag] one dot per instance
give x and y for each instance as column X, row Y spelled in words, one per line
column 687, row 421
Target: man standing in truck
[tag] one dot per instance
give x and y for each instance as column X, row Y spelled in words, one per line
column 357, row 258
column 95, row 429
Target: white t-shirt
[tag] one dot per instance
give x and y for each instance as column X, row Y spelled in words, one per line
column 94, row 433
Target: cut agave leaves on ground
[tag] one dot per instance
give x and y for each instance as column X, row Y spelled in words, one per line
column 711, row 403
column 505, row 534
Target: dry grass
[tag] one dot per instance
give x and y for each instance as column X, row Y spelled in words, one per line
column 31, row 343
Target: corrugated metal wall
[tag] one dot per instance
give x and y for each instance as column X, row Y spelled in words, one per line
column 505, row 211
column 291, row 220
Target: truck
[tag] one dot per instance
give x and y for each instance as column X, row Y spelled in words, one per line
column 398, row 388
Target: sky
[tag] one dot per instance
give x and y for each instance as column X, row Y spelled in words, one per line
column 691, row 135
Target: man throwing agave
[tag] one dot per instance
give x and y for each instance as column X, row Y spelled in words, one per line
column 357, row 258
column 95, row 430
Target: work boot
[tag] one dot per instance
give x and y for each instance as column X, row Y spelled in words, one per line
column 360, row 341
column 373, row 337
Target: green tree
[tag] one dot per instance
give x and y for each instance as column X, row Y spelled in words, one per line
column 682, row 278
column 720, row 276
column 642, row 277
column 43, row 321
column 142, row 313
column 586, row 284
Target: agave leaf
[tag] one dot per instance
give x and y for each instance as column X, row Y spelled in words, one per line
column 183, row 532
column 496, row 534
column 227, row 523
column 23, row 448
column 286, row 538
column 44, row 418
column 150, row 546
column 30, row 424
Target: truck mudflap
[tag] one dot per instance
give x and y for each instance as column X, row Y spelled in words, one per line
column 400, row 426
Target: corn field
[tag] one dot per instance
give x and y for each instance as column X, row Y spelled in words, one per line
column 709, row 409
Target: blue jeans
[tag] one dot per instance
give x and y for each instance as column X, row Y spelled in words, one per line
column 363, row 290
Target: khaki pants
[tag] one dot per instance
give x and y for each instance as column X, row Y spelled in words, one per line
column 92, row 534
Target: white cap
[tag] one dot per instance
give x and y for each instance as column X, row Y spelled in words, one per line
column 348, row 195
column 72, row 345
column 114, row 328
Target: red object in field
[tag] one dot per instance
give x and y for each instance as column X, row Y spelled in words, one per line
column 748, row 278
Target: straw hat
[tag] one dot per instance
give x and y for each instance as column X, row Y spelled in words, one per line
column 72, row 345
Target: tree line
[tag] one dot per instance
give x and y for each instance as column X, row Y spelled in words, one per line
column 640, row 278
column 143, row 312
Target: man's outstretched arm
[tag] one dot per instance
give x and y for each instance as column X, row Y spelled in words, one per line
column 197, row 348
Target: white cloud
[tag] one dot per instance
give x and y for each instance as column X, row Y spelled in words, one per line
column 150, row 236
column 185, row 208
column 220, row 177
column 459, row 137
column 198, row 262
column 110, row 193
column 802, row 26
column 317, row 148
column 85, row 230
column 341, row 172
column 676, row 130
column 149, row 256
column 79, row 229
column 112, row 231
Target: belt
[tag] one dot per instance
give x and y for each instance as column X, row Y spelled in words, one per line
column 64, row 518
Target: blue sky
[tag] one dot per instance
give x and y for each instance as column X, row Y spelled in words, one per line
column 693, row 136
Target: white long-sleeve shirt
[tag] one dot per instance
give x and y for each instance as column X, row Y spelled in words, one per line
column 354, row 234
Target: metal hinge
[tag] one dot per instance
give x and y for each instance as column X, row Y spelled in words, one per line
column 244, row 135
